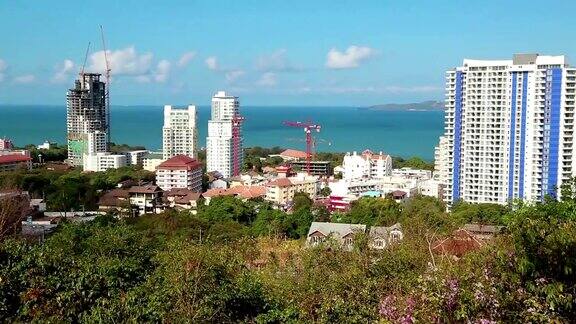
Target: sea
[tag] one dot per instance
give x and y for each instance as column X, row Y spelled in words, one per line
column 403, row 133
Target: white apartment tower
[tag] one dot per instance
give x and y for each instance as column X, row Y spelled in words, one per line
column 220, row 148
column 509, row 129
column 179, row 134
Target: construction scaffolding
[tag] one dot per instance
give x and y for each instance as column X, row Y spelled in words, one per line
column 87, row 117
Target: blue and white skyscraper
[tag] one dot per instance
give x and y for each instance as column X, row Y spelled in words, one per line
column 509, row 129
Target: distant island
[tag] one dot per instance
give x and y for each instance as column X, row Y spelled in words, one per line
column 415, row 106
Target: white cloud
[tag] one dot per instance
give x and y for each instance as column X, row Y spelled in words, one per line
column 212, row 63
column 233, row 75
column 267, row 79
column 275, row 62
column 122, row 62
column 162, row 71
column 186, row 58
column 23, row 79
column 351, row 58
column 3, row 67
column 64, row 70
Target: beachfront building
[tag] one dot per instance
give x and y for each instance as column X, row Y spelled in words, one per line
column 366, row 165
column 179, row 134
column 221, row 154
column 103, row 161
column 180, row 171
column 86, row 118
column 509, row 129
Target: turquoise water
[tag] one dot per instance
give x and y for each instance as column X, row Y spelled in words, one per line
column 401, row 133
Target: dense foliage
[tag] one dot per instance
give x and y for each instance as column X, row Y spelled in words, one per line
column 241, row 261
column 66, row 190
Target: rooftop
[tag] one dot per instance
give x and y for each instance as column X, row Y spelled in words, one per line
column 14, row 158
column 180, row 162
column 295, row 154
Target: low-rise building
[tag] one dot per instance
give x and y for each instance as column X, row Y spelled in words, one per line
column 409, row 173
column 281, row 191
column 367, row 165
column 115, row 200
column 180, row 171
column 182, row 199
column 15, row 160
column 342, row 234
column 103, row 161
column 381, row 236
column 318, row 168
column 151, row 161
column 146, row 199
column 241, row 192
column 135, row 157
column 6, row 144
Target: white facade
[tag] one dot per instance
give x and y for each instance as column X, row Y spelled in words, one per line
column 179, row 178
column 219, row 143
column 366, row 165
column 508, row 129
column 179, row 134
column 103, row 161
column 151, row 161
column 135, row 157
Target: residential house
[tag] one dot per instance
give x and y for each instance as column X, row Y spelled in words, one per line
column 456, row 245
column 146, row 198
column 483, row 232
column 342, row 234
column 182, row 199
column 381, row 237
column 115, row 200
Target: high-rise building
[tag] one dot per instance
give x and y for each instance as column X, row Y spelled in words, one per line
column 509, row 129
column 179, row 134
column 87, row 124
column 221, row 153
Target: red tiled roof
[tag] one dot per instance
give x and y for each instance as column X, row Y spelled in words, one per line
column 216, row 192
column 295, row 154
column 180, row 162
column 398, row 193
column 144, row 189
column 281, row 182
column 249, row 191
column 13, row 158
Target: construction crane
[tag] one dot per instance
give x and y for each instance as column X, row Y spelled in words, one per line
column 107, row 93
column 237, row 121
column 308, row 128
column 84, row 64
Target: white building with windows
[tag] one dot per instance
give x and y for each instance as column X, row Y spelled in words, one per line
column 180, row 171
column 179, row 134
column 509, row 129
column 220, row 150
column 366, row 165
column 103, row 161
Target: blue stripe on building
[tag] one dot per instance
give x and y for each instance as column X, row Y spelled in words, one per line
column 512, row 138
column 554, row 95
column 457, row 137
column 523, row 135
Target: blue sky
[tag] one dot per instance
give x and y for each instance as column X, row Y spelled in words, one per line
column 343, row 53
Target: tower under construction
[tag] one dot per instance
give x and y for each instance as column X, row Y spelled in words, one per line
column 87, row 122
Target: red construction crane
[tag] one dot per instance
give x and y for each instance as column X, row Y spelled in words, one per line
column 308, row 128
column 237, row 121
